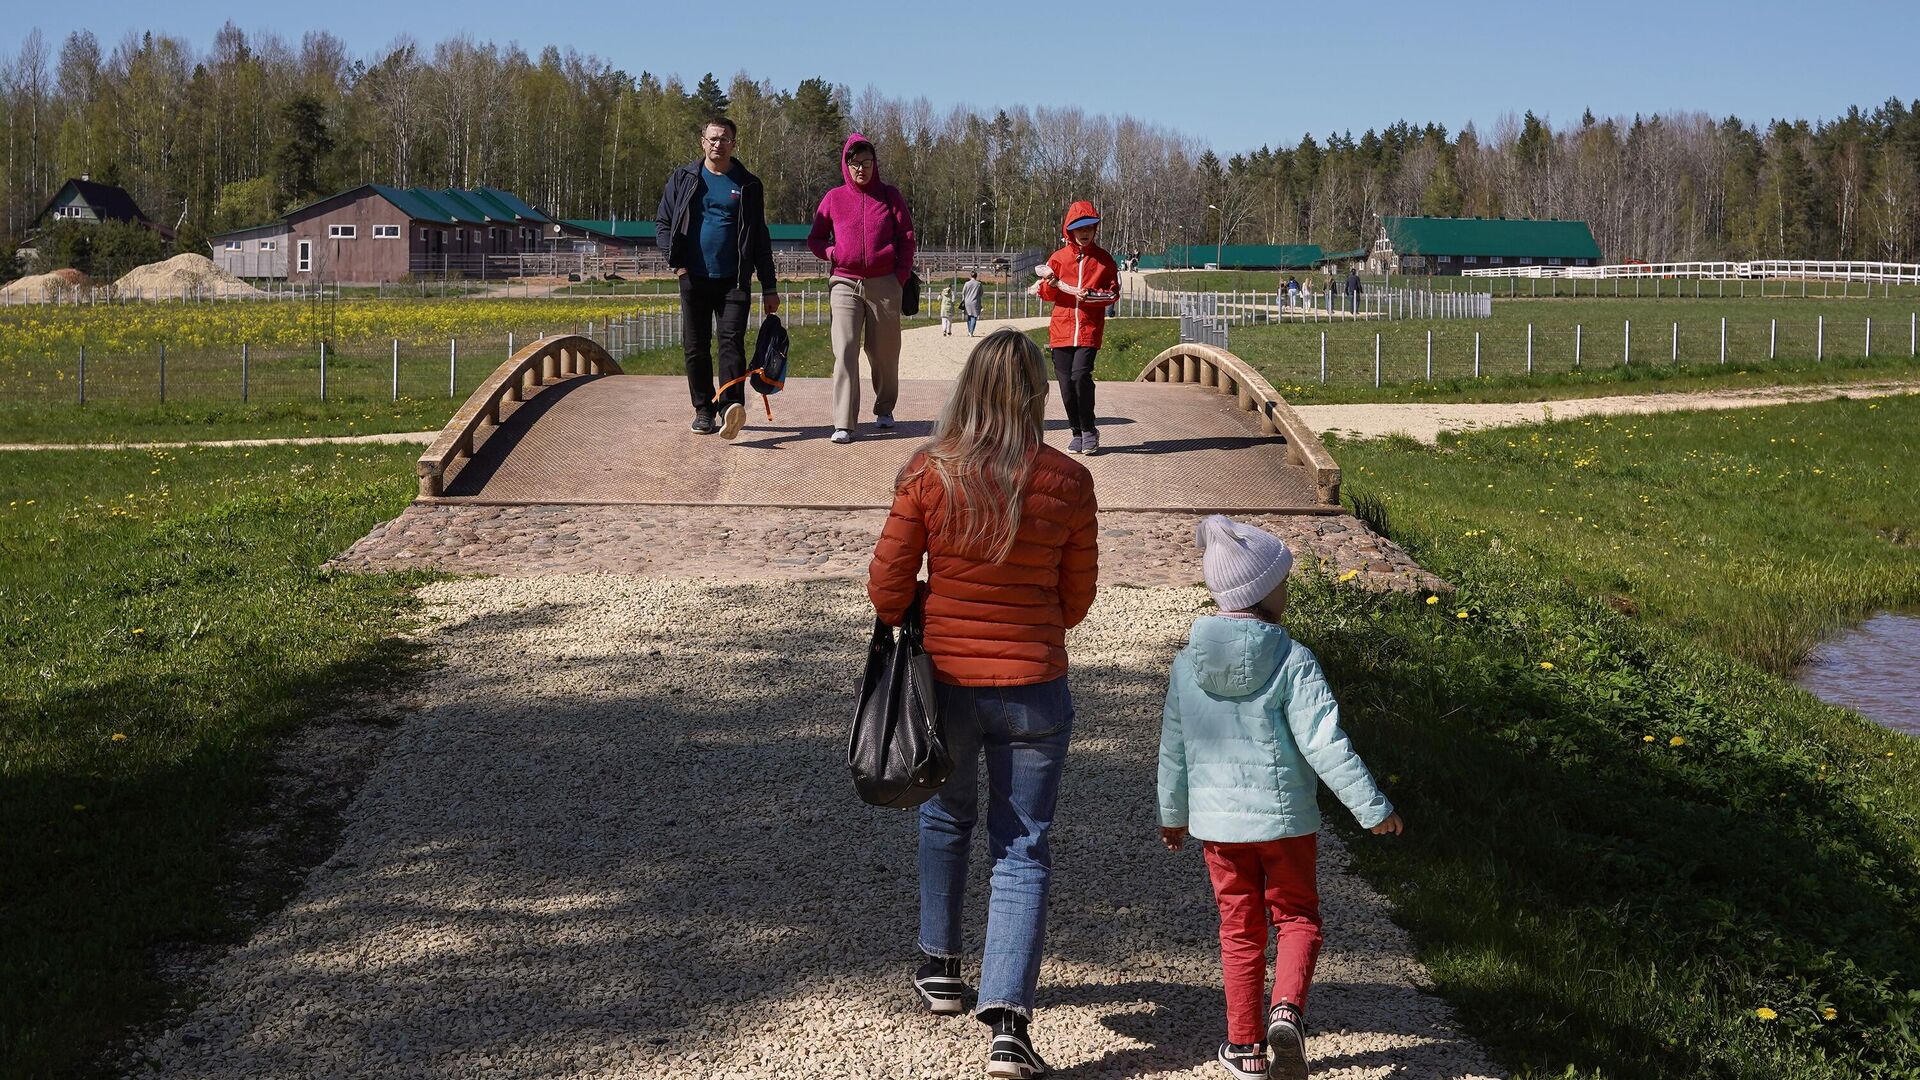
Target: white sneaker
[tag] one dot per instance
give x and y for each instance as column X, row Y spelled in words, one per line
column 842, row 435
column 733, row 420
column 884, row 421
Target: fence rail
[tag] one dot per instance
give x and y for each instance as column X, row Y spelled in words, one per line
column 1803, row 269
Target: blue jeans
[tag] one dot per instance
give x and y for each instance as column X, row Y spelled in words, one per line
column 972, row 320
column 1022, row 731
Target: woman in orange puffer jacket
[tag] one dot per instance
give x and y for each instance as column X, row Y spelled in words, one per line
column 1082, row 281
column 1007, row 526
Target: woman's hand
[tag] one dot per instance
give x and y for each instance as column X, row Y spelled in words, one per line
column 1174, row 837
column 1393, row 826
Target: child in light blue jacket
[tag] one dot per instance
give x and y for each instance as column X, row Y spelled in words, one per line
column 1249, row 727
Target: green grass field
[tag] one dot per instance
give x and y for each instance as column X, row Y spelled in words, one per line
column 1634, row 850
column 1650, row 287
column 165, row 621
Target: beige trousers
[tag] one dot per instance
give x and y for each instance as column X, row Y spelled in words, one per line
column 866, row 311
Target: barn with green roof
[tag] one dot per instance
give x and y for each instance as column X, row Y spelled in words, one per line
column 1436, row 245
column 376, row 233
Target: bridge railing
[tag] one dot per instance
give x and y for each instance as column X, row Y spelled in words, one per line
column 1225, row 373
column 540, row 364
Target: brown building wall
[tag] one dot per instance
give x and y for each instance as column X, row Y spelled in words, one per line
column 361, row 260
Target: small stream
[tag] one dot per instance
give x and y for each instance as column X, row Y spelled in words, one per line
column 1873, row 669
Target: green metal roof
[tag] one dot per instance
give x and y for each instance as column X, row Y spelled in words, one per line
column 513, row 203
column 1336, row 256
column 619, row 230
column 1243, row 256
column 1513, row 237
column 452, row 206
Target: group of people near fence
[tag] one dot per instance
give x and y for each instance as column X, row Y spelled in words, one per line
column 1006, row 528
column 712, row 222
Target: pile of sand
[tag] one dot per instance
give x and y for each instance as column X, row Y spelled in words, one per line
column 188, row 275
column 58, row 285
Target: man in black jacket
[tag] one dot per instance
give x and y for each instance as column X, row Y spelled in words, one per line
column 712, row 221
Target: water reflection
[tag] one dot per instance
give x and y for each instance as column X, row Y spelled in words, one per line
column 1873, row 669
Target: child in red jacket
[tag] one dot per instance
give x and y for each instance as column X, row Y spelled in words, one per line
column 1082, row 281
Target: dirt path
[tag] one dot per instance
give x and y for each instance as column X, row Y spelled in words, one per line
column 1425, row 422
column 925, row 353
column 618, row 840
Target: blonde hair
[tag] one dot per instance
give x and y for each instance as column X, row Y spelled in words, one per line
column 982, row 447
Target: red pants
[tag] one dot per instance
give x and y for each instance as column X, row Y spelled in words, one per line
column 1255, row 883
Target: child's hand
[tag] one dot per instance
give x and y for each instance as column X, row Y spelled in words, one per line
column 1045, row 270
column 1175, row 837
column 1393, row 826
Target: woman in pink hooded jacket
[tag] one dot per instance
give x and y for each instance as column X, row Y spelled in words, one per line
column 864, row 233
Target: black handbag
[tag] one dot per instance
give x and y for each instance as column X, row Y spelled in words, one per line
column 910, row 294
column 898, row 748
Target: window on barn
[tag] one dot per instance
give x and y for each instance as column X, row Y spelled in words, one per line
column 1497, row 260
column 343, row 232
column 1555, row 262
column 231, row 245
column 1470, row 259
column 423, row 235
column 476, row 236
column 386, row 232
column 269, row 245
column 1443, row 258
column 1527, row 261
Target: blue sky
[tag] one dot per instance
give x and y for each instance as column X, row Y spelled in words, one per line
column 1235, row 74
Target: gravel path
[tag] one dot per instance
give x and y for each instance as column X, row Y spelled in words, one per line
column 926, row 353
column 597, row 852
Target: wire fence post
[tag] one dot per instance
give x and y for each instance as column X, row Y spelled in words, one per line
column 1323, row 358
column 1723, row 339
column 1869, row 352
column 1476, row 354
column 1626, row 344
column 453, row 359
column 1429, row 355
column 509, row 343
column 323, row 369
column 396, row 370
column 1529, row 348
column 1773, row 336
column 1820, row 339
column 1674, row 355
column 245, row 349
column 83, row 374
column 163, row 374
column 1376, row 361
column 1576, row 345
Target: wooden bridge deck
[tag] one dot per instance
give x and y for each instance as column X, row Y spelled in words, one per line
column 623, row 440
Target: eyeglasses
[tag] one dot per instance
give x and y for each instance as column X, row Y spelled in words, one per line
column 860, row 163
column 717, row 139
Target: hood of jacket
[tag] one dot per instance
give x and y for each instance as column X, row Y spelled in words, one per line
column 1081, row 208
column 1236, row 657
column 846, row 174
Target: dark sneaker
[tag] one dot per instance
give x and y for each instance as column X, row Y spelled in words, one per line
column 732, row 420
column 884, row 421
column 702, row 422
column 1248, row 1062
column 1076, row 444
column 1011, row 1054
column 1090, row 443
column 938, row 982
column 1287, row 1034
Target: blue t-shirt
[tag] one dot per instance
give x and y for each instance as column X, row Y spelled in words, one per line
column 720, row 223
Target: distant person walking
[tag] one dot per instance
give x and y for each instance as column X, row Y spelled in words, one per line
column 1081, row 281
column 1353, row 289
column 970, row 300
column 712, row 220
column 864, row 233
column 946, row 311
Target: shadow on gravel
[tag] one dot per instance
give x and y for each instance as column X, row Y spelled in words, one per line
column 624, row 838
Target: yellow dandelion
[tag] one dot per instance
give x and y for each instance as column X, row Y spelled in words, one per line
column 1646, row 738
column 1546, row 665
column 1431, row 600
column 1461, row 614
column 1349, row 575
column 139, row 629
column 1829, row 1013
column 1765, row 1013
column 119, row 736
column 1677, row 740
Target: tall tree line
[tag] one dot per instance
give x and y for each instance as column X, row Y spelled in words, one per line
column 251, row 126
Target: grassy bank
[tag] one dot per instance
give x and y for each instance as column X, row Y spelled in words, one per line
column 1636, row 851
column 164, row 614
